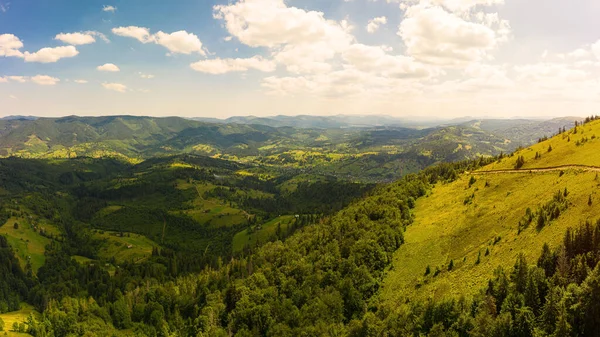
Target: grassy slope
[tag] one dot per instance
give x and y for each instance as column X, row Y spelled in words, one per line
column 564, row 152
column 213, row 211
column 115, row 246
column 17, row 316
column 446, row 229
column 26, row 242
column 268, row 229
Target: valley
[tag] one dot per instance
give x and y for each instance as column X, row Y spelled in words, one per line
column 296, row 242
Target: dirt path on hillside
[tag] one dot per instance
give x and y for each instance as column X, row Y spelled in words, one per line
column 585, row 168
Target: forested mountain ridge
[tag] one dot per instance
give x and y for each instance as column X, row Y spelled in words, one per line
column 372, row 153
column 314, row 282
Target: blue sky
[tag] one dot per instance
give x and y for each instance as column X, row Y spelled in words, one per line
column 442, row 58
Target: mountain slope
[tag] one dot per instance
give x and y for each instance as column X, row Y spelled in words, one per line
column 479, row 221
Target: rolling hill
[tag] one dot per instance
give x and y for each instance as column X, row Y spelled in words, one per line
column 480, row 221
column 371, row 153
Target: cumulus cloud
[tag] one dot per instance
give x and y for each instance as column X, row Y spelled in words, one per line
column 108, row 67
column 115, row 87
column 44, row 80
column 108, row 8
column 80, row 81
column 75, row 38
column 80, row 38
column 222, row 66
column 50, row 55
column 140, row 33
column 374, row 24
column 434, row 35
column 303, row 41
column 180, row 42
column 10, row 45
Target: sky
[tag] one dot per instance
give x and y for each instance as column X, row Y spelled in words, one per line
column 206, row 58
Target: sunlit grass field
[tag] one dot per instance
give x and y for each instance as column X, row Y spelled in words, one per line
column 243, row 238
column 26, row 241
column 17, row 316
column 129, row 247
column 564, row 151
column 447, row 228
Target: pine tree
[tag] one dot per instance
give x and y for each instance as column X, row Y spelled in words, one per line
column 590, row 200
column 520, row 162
column 451, row 265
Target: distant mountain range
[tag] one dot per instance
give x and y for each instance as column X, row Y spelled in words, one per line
column 358, row 121
column 327, row 122
column 374, row 148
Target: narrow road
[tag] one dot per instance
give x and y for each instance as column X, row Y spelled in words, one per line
column 586, row 168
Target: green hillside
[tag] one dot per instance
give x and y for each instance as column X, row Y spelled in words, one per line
column 479, row 222
column 180, row 245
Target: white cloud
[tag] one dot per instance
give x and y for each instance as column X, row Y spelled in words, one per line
column 222, row 66
column 109, row 8
column 260, row 23
column 180, row 42
column 12, row 96
column 146, row 76
column 50, row 55
column 303, row 41
column 4, row 7
column 434, row 35
column 10, row 45
column 108, row 67
column 115, row 87
column 37, row 79
column 44, row 80
column 80, row 38
column 80, row 81
column 140, row 33
column 374, row 24
column 20, row 79
column 75, row 38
